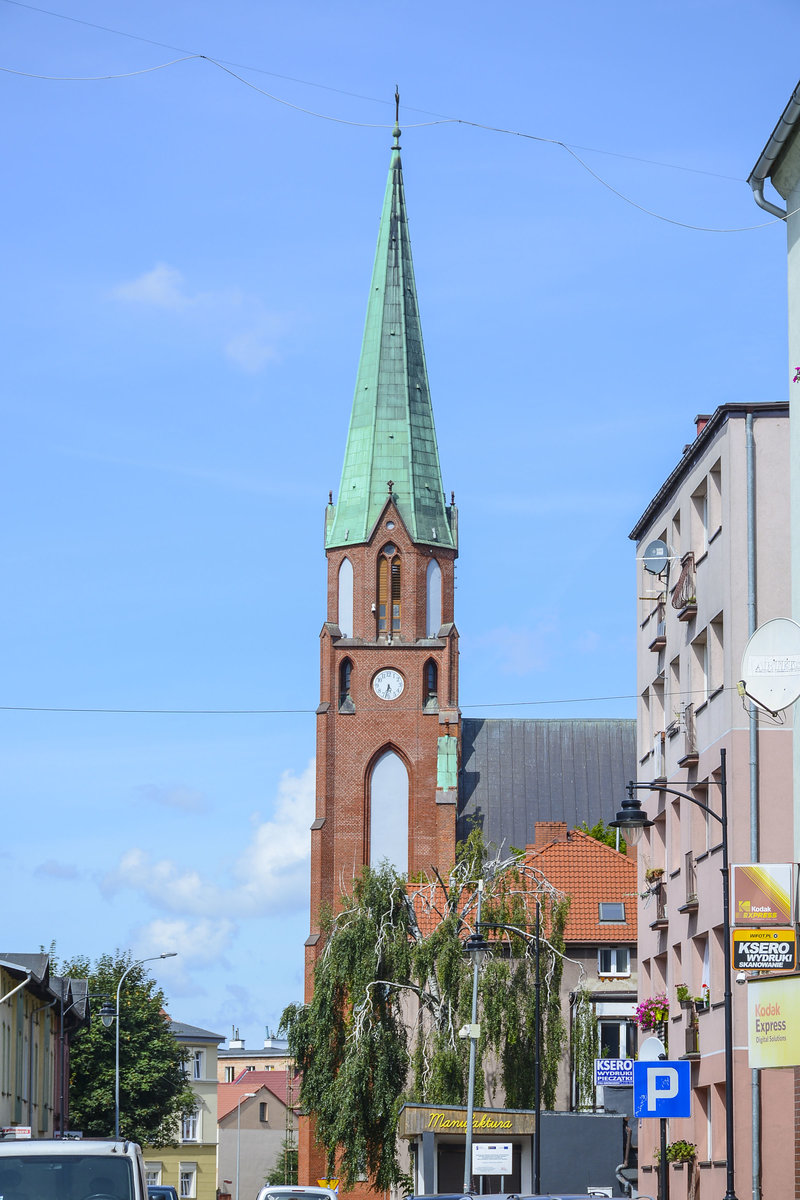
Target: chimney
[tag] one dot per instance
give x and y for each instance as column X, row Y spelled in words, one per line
column 701, row 421
column 550, row 831
column 235, row 1042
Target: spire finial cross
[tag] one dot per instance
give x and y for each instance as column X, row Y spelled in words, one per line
column 390, row 485
column 396, row 130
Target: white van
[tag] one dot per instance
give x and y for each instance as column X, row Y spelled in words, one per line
column 71, row 1169
column 288, row 1191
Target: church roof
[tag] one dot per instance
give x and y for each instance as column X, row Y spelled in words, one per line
column 391, row 435
column 517, row 772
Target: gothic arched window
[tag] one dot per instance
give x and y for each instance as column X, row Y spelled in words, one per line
column 388, row 811
column 430, row 684
column 345, row 614
column 433, row 599
column 389, row 598
column 345, row 674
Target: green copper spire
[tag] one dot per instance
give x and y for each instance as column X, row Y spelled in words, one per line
column 391, row 443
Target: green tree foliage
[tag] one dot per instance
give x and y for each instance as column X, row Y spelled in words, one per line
column 154, row 1092
column 585, row 1047
column 602, row 833
column 285, row 1169
column 392, row 988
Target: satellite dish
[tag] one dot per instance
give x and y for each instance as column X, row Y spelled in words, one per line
column 656, row 557
column 652, row 1049
column 771, row 665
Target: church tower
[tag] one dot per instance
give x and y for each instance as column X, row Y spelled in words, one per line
column 388, row 718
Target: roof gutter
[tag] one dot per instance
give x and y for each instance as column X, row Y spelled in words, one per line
column 763, row 169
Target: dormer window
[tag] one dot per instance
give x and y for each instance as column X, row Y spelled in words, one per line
column 389, row 605
column 611, row 912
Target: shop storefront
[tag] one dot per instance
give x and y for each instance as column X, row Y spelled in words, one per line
column 436, row 1135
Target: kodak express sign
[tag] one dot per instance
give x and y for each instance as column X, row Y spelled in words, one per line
column 773, row 1022
column 763, row 894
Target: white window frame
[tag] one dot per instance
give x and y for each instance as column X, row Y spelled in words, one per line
column 187, row 1180
column 230, row 1074
column 198, row 1064
column 152, row 1173
column 616, row 955
column 190, row 1127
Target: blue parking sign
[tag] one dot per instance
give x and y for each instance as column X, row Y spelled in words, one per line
column 662, row 1089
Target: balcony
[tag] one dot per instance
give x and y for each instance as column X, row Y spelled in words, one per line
column 690, row 753
column 684, row 597
column 690, row 878
column 660, row 640
column 660, row 892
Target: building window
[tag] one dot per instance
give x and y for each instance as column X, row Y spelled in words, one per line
column 188, row 1181
column 431, row 684
column 189, row 1127
column 715, row 499
column 230, row 1074
column 152, row 1174
column 433, row 599
column 388, row 812
column 700, row 520
column 345, row 678
column 197, row 1064
column 389, row 598
column 613, row 960
column 617, row 1038
column 700, row 669
column 716, row 658
column 345, row 613
column 263, row 1111
column 611, row 912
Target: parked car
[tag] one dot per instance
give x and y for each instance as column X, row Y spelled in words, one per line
column 66, row 1169
column 288, row 1191
column 161, row 1191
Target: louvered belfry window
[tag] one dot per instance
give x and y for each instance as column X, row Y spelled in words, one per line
column 389, row 594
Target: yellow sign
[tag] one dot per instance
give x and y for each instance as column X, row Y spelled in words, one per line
column 762, row 894
column 331, row 1184
column 773, row 1021
column 763, row 949
column 443, row 1120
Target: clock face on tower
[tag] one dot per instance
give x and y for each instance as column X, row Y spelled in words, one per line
column 388, row 684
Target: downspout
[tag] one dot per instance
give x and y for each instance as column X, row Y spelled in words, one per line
column 8, row 995
column 755, row 1074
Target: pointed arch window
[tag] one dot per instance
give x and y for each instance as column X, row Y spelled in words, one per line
column 345, row 613
column 389, row 590
column 433, row 599
column 388, row 811
column 345, row 678
column 430, row 685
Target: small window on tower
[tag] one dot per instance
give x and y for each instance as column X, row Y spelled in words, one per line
column 345, row 677
column 430, row 689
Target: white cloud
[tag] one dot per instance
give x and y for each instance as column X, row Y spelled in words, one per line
column 246, row 331
column 57, row 870
column 197, row 943
column 271, row 873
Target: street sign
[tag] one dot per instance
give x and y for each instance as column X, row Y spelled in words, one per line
column 662, row 1089
column 764, row 949
column 492, row 1158
column 613, row 1072
column 332, row 1184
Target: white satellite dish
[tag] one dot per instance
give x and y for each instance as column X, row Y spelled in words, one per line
column 771, row 665
column 652, row 1049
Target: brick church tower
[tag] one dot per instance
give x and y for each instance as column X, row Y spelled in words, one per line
column 388, row 718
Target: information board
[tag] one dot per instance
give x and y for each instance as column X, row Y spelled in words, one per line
column 613, row 1072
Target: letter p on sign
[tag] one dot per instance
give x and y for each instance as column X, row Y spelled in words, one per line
column 662, row 1089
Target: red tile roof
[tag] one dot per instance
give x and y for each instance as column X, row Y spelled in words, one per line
column 272, row 1082
column 588, row 871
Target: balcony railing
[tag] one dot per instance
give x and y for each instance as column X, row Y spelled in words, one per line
column 684, row 597
column 690, row 754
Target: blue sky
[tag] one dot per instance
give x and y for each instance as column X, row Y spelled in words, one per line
column 186, row 265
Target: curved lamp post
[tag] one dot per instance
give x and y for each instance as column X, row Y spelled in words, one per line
column 631, row 821
column 477, row 948
column 106, row 1018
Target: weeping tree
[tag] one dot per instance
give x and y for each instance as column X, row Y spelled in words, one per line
column 393, row 986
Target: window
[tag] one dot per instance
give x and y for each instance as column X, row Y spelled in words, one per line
column 699, row 669
column 263, row 1111
column 230, row 1074
column 188, row 1181
column 716, row 661
column 433, row 599
column 345, row 613
column 611, row 912
column 189, row 1127
column 388, row 811
column 345, row 676
column 714, row 499
column 699, row 515
column 389, row 606
column 152, row 1173
column 613, row 960
column 430, row 688
column 197, row 1064
column 617, row 1038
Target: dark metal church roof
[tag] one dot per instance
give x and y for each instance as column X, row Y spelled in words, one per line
column 517, row 772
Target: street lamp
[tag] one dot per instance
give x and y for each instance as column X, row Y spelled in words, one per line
column 476, row 947
column 631, row 821
column 239, row 1103
column 107, row 1021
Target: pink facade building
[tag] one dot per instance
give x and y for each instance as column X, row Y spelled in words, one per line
column 723, row 514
